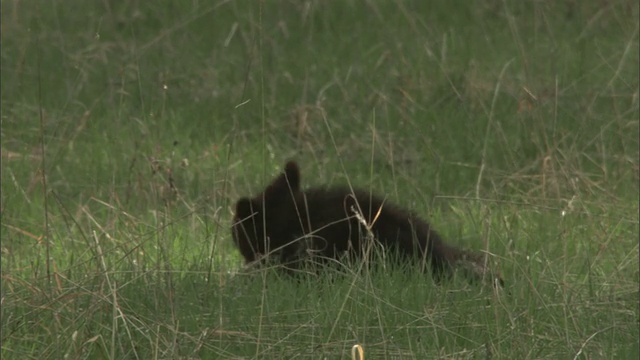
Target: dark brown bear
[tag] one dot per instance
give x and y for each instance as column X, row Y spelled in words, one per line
column 291, row 226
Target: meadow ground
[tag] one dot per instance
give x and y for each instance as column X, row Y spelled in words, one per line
column 129, row 128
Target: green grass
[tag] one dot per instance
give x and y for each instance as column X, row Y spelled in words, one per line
column 130, row 128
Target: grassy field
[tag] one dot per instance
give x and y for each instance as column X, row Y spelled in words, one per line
column 130, row 128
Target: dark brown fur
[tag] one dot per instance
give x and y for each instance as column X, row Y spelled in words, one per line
column 292, row 225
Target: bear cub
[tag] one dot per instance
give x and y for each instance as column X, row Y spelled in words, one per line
column 291, row 226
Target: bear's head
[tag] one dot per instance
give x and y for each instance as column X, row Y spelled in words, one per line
column 259, row 222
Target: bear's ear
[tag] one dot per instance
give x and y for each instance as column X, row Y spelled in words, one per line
column 244, row 208
column 288, row 182
column 292, row 172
